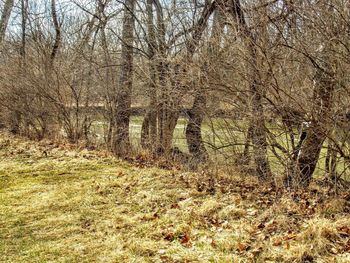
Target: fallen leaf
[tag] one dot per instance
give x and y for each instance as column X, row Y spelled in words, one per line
column 175, row 206
column 290, row 236
column 344, row 230
column 242, row 247
column 120, row 173
column 213, row 243
column 277, row 242
column 185, row 238
column 260, row 226
column 287, row 245
column 169, row 236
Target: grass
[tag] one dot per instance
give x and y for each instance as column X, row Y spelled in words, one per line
column 82, row 206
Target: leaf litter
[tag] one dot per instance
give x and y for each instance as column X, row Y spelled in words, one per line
column 75, row 205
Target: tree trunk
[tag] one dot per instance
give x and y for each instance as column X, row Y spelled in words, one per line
column 149, row 125
column 168, row 103
column 196, row 114
column 57, row 31
column 331, row 161
column 123, row 98
column 245, row 158
column 5, row 16
column 168, row 112
column 258, row 122
column 259, row 134
column 24, row 7
column 319, row 128
column 109, row 95
column 193, row 130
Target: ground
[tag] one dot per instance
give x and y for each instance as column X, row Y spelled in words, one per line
column 61, row 204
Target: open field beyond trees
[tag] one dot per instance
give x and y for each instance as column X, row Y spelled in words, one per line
column 217, row 134
column 60, row 204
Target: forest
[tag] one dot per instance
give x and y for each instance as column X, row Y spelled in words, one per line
column 208, row 130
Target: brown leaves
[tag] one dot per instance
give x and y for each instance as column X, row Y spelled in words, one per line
column 347, row 246
column 344, row 231
column 185, row 239
column 169, row 236
column 241, row 247
column 120, row 173
column 175, row 206
column 260, row 226
column 277, row 242
column 213, row 243
column 290, row 236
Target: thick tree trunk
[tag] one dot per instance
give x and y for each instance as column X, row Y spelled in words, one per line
column 172, row 115
column 258, row 122
column 319, row 128
column 162, row 108
column 168, row 112
column 163, row 120
column 149, row 125
column 123, row 98
column 5, row 16
column 196, row 114
column 259, row 134
column 193, row 130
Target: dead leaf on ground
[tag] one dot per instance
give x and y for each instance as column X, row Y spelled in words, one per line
column 185, row 239
column 242, row 247
column 277, row 242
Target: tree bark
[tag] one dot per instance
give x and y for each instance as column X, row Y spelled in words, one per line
column 319, row 128
column 196, row 114
column 123, row 98
column 5, row 16
column 149, row 125
column 167, row 104
column 257, row 120
column 24, row 7
column 193, row 130
column 57, row 31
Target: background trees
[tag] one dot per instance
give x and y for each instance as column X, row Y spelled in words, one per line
column 240, row 76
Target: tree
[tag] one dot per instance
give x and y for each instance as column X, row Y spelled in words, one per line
column 123, row 98
column 196, row 113
column 257, row 123
column 4, row 20
column 149, row 138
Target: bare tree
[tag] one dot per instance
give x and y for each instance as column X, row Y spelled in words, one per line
column 123, row 98
column 230, row 81
column 258, row 130
column 196, row 114
column 149, row 125
column 57, row 31
column 5, row 16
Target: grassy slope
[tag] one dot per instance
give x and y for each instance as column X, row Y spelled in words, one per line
column 75, row 206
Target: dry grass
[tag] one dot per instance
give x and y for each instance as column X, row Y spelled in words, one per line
column 79, row 206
